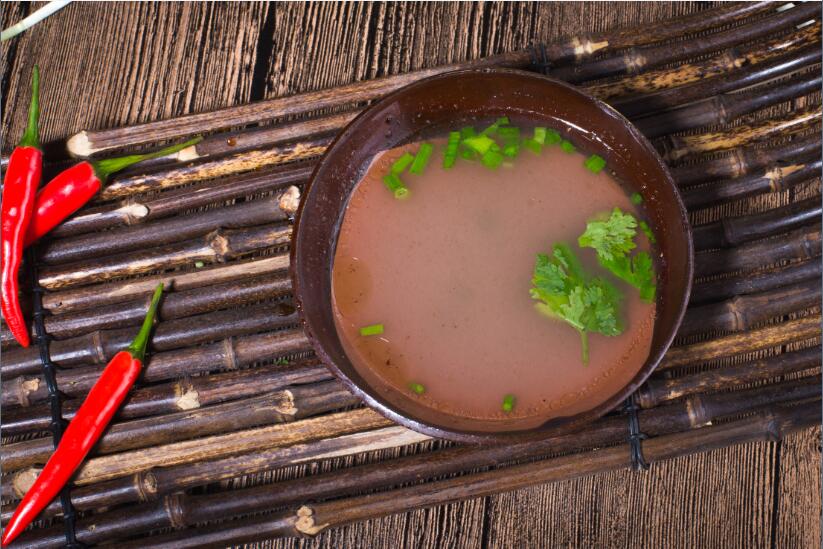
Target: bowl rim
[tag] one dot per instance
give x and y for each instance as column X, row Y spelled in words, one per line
column 553, row 427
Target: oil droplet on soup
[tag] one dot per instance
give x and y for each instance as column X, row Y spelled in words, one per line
column 447, row 272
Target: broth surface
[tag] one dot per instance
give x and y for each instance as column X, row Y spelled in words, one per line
column 448, row 272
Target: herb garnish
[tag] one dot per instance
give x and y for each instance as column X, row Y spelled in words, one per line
column 613, row 240
column 417, row 388
column 508, row 403
column 587, row 304
column 371, row 330
column 595, row 163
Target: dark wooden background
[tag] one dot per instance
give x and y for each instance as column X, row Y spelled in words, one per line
column 106, row 65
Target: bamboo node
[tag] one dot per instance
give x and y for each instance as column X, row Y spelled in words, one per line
column 174, row 510
column 230, row 360
column 23, row 480
column 133, row 212
column 305, row 522
column 25, row 387
column 189, row 400
column 146, row 485
column 696, row 411
column 219, row 243
column 290, row 200
column 79, row 145
column 286, row 404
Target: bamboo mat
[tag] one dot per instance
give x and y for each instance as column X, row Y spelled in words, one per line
column 191, row 306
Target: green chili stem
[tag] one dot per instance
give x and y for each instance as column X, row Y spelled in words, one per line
column 137, row 349
column 31, row 138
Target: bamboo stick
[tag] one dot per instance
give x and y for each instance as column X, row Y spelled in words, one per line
column 794, row 273
column 281, row 406
column 577, row 47
column 725, row 107
column 742, row 342
column 99, row 346
column 245, row 161
column 76, row 299
column 659, row 390
column 716, row 66
column 167, row 231
column 734, row 231
column 680, row 146
column 215, row 247
column 743, row 161
column 799, row 244
column 189, row 393
column 742, row 312
column 634, row 60
column 310, row 519
column 770, row 424
column 229, row 354
column 140, row 210
column 751, row 74
column 775, row 178
column 688, row 414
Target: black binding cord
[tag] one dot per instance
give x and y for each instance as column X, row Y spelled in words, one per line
column 636, row 436
column 58, row 424
column 540, row 58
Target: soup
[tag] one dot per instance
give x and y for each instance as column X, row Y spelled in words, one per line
column 431, row 292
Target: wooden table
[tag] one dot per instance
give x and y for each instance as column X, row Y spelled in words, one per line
column 106, row 65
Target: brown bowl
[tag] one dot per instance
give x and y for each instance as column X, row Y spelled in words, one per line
column 442, row 102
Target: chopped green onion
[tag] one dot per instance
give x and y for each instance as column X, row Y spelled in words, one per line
column 421, row 159
column 199, row 264
column 395, row 185
column 540, row 135
column 467, row 131
column 595, row 163
column 372, row 330
column 502, row 121
column 401, row 164
column 533, row 145
column 282, row 362
column 508, row 403
column 647, row 231
column 468, row 154
column 509, row 133
column 451, row 149
column 417, row 388
column 511, row 150
column 553, row 137
column 567, row 146
column 636, row 199
column 492, row 159
column 479, row 144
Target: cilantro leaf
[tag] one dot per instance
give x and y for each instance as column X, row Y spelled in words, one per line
column 565, row 292
column 613, row 240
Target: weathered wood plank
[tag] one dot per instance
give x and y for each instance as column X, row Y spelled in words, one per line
column 798, row 491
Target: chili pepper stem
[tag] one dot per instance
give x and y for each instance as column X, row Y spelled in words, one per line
column 137, row 349
column 31, row 138
column 108, row 166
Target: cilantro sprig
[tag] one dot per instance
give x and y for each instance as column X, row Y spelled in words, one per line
column 613, row 240
column 565, row 292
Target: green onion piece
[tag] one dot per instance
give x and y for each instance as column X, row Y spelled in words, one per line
column 467, row 131
column 511, row 150
column 508, row 403
column 595, row 163
column 502, row 121
column 647, row 231
column 479, row 144
column 540, row 135
column 401, row 163
column 492, row 159
column 509, row 133
column 636, row 199
column 553, row 137
column 199, row 264
column 468, row 154
column 421, row 159
column 372, row 330
column 282, row 362
column 567, row 146
column 395, row 185
column 533, row 145
column 451, row 149
column 417, row 388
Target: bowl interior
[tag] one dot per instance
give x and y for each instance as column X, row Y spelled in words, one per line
column 442, row 102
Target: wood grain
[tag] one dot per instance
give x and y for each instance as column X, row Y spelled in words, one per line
column 106, row 65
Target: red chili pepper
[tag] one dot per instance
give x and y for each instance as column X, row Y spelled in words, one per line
column 85, row 429
column 72, row 188
column 19, row 190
